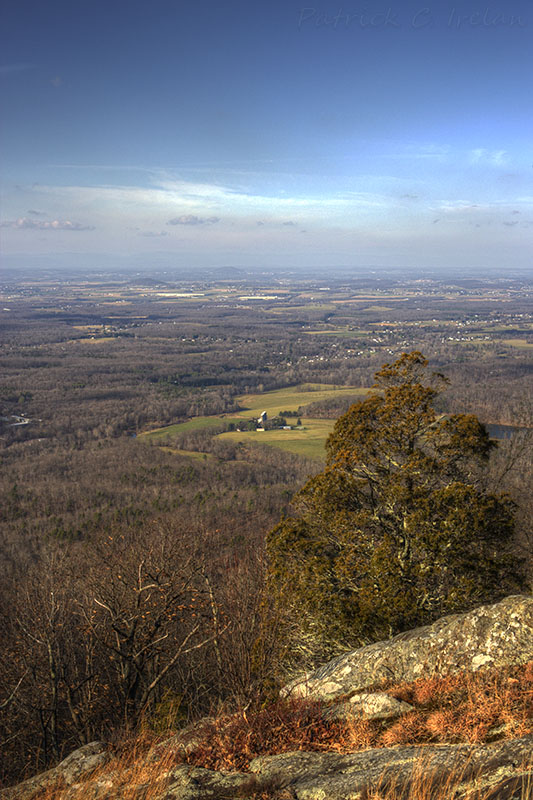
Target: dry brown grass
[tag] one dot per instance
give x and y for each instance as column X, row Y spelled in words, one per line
column 466, row 707
column 424, row 785
column 231, row 742
column 122, row 778
column 471, row 708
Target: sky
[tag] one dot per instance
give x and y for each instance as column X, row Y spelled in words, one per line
column 283, row 134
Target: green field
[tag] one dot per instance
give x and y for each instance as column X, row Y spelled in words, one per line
column 189, row 453
column 518, row 343
column 306, row 440
column 191, row 425
column 290, row 399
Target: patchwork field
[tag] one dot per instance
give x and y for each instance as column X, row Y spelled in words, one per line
column 307, row 439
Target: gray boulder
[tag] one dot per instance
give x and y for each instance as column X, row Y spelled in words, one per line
column 185, row 741
column 194, row 783
column 490, row 636
column 81, row 762
column 377, row 705
column 183, row 782
column 330, row 776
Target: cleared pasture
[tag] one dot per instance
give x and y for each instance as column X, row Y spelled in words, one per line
column 291, row 398
column 197, row 423
column 307, row 440
column 518, row 343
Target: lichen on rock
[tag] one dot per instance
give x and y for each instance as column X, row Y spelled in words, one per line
column 495, row 635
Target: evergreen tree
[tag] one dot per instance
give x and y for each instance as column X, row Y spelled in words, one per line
column 398, row 529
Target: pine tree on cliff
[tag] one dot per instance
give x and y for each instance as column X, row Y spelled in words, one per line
column 397, row 530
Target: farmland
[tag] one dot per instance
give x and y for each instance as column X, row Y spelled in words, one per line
column 307, row 439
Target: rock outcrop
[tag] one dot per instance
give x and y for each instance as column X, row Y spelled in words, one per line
column 490, row 636
column 499, row 771
column 331, row 776
column 79, row 763
column 372, row 705
column 499, row 635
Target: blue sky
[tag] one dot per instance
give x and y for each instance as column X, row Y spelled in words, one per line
column 271, row 134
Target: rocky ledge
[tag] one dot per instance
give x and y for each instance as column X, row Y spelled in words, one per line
column 497, row 636
column 499, row 771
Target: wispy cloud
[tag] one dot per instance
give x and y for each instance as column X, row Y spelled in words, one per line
column 240, row 198
column 192, row 219
column 496, row 158
column 508, row 207
column 24, row 223
column 462, row 213
column 198, row 205
column 7, row 69
column 153, row 234
column 453, row 206
column 421, row 151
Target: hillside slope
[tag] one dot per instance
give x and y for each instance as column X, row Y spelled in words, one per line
column 446, row 711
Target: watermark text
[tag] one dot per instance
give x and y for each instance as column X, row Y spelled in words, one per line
column 423, row 18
